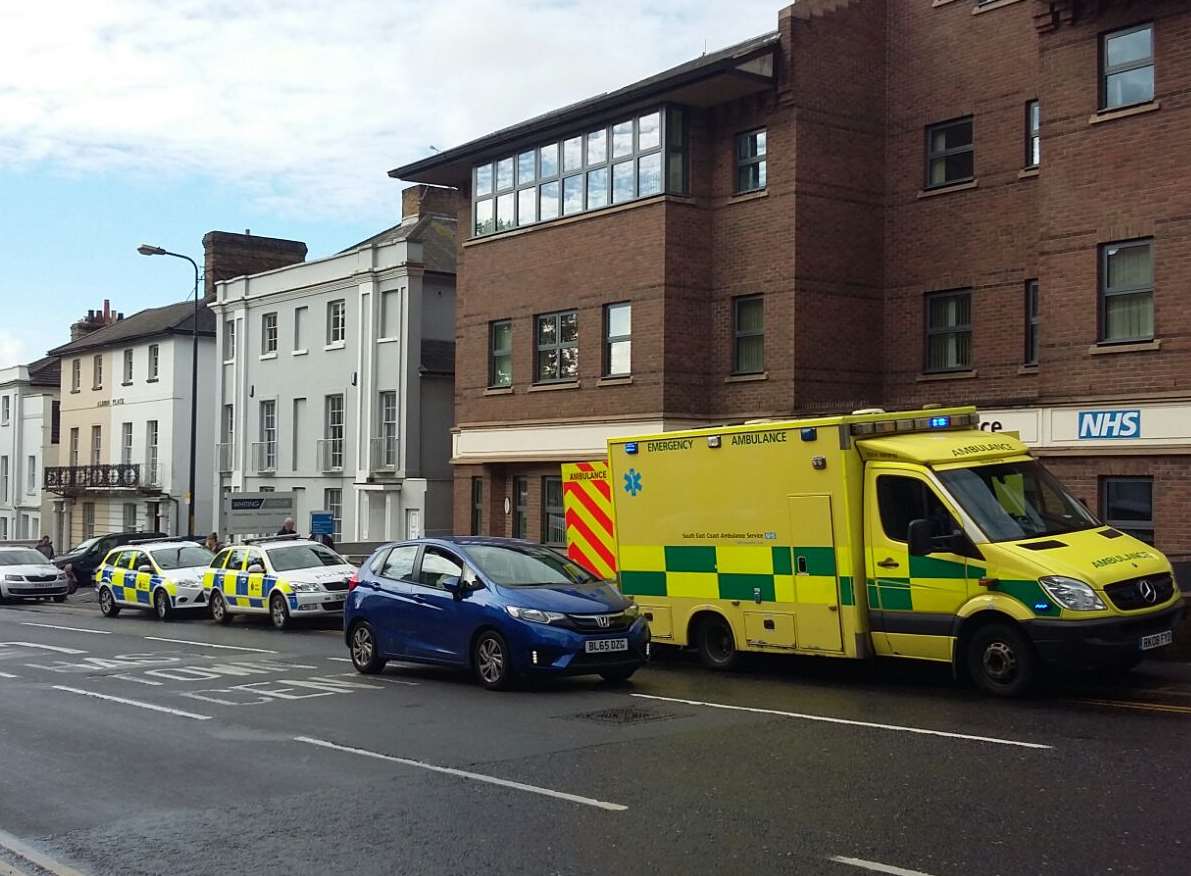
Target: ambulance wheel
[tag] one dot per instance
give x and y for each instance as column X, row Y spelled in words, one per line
column 364, row 650
column 219, row 612
column 715, row 643
column 107, row 603
column 278, row 611
column 161, row 606
column 1001, row 660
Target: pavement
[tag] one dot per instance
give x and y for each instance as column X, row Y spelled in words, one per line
column 132, row 746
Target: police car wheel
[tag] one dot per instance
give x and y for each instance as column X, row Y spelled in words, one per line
column 1001, row 660
column 161, row 605
column 219, row 612
column 278, row 611
column 490, row 659
column 107, row 603
column 365, row 653
column 716, row 644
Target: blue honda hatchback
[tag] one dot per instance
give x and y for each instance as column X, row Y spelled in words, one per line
column 504, row 609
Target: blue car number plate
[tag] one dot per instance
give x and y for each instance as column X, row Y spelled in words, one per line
column 603, row 646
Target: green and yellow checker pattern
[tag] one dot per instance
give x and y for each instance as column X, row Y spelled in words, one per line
column 941, row 586
column 762, row 573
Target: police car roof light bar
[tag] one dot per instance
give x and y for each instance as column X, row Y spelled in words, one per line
column 262, row 539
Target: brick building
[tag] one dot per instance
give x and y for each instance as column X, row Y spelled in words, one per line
column 880, row 202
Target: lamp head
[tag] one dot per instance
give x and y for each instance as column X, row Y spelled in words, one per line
column 146, row 249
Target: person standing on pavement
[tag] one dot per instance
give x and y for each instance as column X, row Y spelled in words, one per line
column 45, row 547
column 287, row 527
column 212, row 543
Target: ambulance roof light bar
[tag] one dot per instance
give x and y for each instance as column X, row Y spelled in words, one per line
column 904, row 425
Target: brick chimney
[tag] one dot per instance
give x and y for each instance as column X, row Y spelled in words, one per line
column 227, row 255
column 424, row 200
column 94, row 321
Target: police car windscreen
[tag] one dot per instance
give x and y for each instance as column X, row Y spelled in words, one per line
column 182, row 557
column 1013, row 500
column 303, row 556
column 22, row 557
column 515, row 567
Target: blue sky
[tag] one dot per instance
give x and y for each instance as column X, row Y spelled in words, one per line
column 132, row 121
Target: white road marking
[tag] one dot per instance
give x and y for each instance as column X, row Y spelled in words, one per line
column 340, row 659
column 378, row 678
column 876, row 867
column 45, row 862
column 71, row 629
column 138, row 680
column 137, row 703
column 210, row 645
column 830, row 720
column 464, row 774
column 8, row 675
column 55, row 648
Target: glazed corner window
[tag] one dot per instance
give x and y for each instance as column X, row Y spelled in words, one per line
column 97, row 372
column 1031, row 357
column 949, row 153
column 748, row 341
column 1127, row 504
column 500, row 359
column 1127, row 67
column 750, row 162
column 557, row 340
column 268, row 333
column 1033, row 133
column 336, row 321
column 949, row 331
column 554, row 526
column 1127, row 291
column 618, row 340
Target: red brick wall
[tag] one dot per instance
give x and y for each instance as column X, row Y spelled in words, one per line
column 498, row 483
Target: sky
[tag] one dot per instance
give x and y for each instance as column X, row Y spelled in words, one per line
column 130, row 121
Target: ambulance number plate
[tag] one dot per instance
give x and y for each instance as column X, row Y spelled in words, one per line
column 604, row 646
column 1157, row 640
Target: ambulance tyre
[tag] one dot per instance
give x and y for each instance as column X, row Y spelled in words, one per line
column 219, row 612
column 715, row 643
column 161, row 605
column 1001, row 660
column 278, row 611
column 107, row 603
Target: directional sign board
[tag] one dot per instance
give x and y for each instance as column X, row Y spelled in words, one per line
column 322, row 523
column 255, row 513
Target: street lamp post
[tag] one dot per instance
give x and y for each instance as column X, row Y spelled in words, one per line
column 146, row 249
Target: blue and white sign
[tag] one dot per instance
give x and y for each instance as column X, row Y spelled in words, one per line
column 322, row 523
column 1109, row 424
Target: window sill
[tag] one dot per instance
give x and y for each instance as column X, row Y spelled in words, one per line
column 229, row 361
column 151, row 380
column 937, row 3
column 1028, row 173
column 387, row 340
column 266, row 356
column 1133, row 347
column 946, row 190
column 1027, row 369
column 550, row 387
column 747, row 378
column 741, row 197
column 1124, row 112
column 75, row 391
column 946, row 375
column 299, row 352
column 126, row 383
column 335, row 345
column 499, row 390
column 994, row 4
column 615, row 380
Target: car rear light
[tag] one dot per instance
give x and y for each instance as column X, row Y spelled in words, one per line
column 353, row 581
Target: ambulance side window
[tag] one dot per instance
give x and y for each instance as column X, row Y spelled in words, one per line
column 902, row 499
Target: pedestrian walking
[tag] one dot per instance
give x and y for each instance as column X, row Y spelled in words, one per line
column 45, row 547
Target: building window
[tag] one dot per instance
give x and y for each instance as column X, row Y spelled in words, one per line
column 1033, row 133
column 267, row 460
column 557, row 337
column 31, row 476
column 333, row 500
column 949, row 153
column 500, row 353
column 3, row 479
column 152, row 475
column 154, row 361
column 55, row 421
column 336, row 321
column 96, row 445
column 748, row 343
column 1126, row 291
column 76, row 370
column 129, row 517
column 126, row 443
column 127, row 367
column 97, row 372
column 554, row 526
column 477, row 505
column 390, row 313
column 585, row 171
column 520, row 507
column 750, row 161
column 1127, row 67
column 388, row 428
column 74, row 446
column 298, row 414
column 5, row 409
column 88, row 520
column 949, row 331
column 333, row 460
column 268, row 333
column 229, row 340
column 299, row 321
column 1031, row 322
column 618, row 340
column 1127, row 504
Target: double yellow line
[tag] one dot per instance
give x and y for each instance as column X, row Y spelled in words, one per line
column 1138, row 706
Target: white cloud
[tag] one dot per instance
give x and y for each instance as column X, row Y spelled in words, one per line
column 305, row 104
column 13, row 349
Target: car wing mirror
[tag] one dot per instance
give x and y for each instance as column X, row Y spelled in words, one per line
column 919, row 539
column 454, row 585
column 145, row 567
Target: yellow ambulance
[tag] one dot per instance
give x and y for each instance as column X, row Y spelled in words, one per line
column 911, row 534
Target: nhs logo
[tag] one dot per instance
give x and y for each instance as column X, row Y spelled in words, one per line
column 1109, row 424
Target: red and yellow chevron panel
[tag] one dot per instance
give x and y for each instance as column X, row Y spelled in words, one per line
column 587, row 503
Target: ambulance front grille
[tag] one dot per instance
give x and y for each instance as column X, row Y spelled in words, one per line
column 1143, row 592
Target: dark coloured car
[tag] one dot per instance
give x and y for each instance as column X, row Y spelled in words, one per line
column 504, row 609
column 81, row 561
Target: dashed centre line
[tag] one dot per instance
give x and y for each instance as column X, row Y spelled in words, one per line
column 138, row 703
column 69, row 629
column 210, row 645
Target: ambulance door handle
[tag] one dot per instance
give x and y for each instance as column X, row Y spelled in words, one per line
column 889, row 563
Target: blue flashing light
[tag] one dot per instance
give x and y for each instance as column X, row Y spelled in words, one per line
column 940, row 422
column 631, row 448
column 1041, row 606
column 809, row 434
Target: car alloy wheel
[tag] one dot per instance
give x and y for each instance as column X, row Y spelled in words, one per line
column 492, row 661
column 161, row 605
column 107, row 603
column 365, row 652
column 278, row 611
column 219, row 612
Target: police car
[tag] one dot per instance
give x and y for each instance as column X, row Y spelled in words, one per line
column 283, row 576
column 161, row 575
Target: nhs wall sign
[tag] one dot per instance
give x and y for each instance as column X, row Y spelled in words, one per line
column 1109, row 424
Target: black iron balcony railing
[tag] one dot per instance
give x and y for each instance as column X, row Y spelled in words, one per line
column 73, row 478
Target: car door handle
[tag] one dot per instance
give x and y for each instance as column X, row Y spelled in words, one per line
column 889, row 563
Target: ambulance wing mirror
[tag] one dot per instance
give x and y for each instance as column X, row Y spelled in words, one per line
column 919, row 538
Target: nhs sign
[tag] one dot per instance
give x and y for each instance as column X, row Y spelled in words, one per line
column 1109, row 424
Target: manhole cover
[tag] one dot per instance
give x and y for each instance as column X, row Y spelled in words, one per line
column 626, row 715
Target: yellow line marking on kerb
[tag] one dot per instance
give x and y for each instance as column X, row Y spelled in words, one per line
column 1138, row 706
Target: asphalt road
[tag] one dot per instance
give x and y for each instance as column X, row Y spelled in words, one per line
column 129, row 746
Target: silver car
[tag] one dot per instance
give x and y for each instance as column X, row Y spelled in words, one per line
column 27, row 574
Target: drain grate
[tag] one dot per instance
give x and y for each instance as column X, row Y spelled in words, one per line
column 627, row 715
